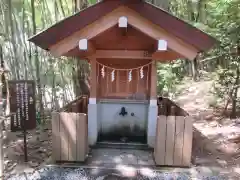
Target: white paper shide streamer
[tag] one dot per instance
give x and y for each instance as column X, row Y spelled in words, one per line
column 113, row 75
column 130, row 76
column 128, row 71
column 103, row 72
column 141, row 73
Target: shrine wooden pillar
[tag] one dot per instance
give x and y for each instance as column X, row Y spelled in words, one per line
column 92, row 106
column 93, row 81
column 153, row 88
column 153, row 109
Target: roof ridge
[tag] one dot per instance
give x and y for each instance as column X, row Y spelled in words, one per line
column 174, row 25
column 65, row 18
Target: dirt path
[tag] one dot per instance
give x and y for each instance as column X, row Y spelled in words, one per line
column 38, row 149
column 216, row 137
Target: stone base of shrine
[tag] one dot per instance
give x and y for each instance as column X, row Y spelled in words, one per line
column 93, row 126
column 152, row 124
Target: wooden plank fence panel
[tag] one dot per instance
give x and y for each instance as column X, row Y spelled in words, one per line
column 170, row 140
column 86, row 133
column 72, row 139
column 56, row 142
column 179, row 134
column 69, row 136
column 174, row 141
column 187, row 146
column 64, row 136
column 159, row 151
column 81, row 137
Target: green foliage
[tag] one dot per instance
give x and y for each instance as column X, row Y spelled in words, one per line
column 220, row 18
column 222, row 79
column 92, row 1
column 17, row 25
column 169, row 75
column 225, row 24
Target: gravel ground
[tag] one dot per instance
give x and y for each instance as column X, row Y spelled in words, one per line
column 56, row 173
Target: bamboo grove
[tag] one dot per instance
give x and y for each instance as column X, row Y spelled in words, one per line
column 60, row 80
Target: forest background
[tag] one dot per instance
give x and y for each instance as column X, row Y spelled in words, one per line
column 60, row 80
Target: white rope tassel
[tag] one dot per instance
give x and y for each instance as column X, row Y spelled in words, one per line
column 141, row 73
column 103, row 72
column 130, row 76
column 113, row 75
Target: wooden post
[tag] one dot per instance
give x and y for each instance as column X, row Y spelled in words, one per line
column 92, row 106
column 93, row 83
column 128, row 83
column 153, row 109
column 72, row 138
column 117, row 81
column 138, row 80
column 179, row 135
column 56, row 142
column 170, row 137
column 153, row 92
column 81, row 139
column 153, row 89
column 160, row 143
column 187, row 146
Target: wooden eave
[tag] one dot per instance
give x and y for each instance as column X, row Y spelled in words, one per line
column 182, row 30
column 110, row 20
column 69, row 25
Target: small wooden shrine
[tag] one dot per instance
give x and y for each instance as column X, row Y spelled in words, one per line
column 123, row 40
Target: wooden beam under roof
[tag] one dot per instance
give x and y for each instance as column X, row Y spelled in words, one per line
column 133, row 54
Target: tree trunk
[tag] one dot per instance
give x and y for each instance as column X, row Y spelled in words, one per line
column 164, row 4
column 55, row 104
column 13, row 40
column 4, row 98
column 38, row 80
column 234, row 99
column 80, row 78
column 1, row 119
column 80, row 73
column 80, row 4
column 194, row 69
column 83, row 77
column 62, row 9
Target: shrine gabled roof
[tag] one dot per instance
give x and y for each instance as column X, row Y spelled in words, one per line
column 165, row 20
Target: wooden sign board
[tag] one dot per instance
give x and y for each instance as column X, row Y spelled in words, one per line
column 22, row 104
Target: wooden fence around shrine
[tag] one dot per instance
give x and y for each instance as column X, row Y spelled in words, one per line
column 174, row 135
column 69, row 136
column 173, row 145
column 173, row 141
column 79, row 105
